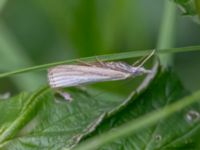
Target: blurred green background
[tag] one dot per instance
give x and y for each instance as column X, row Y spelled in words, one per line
column 37, row 32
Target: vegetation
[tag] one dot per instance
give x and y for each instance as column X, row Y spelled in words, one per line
column 159, row 111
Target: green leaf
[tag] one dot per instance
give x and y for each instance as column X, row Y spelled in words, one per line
column 190, row 7
column 174, row 132
column 41, row 121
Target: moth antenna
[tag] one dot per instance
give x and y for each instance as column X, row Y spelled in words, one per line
column 138, row 61
column 147, row 58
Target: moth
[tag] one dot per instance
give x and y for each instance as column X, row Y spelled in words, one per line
column 86, row 73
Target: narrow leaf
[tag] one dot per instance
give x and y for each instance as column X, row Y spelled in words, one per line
column 107, row 57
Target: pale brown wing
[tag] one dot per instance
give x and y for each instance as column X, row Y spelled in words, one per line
column 73, row 75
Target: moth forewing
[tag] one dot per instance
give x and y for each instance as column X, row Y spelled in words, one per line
column 74, row 75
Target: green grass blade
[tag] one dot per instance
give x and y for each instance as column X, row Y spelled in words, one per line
column 107, row 57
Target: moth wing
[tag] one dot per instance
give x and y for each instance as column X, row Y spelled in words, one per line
column 73, row 75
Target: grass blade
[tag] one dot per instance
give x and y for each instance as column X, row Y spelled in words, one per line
column 107, row 57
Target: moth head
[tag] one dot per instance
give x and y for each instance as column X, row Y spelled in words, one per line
column 137, row 71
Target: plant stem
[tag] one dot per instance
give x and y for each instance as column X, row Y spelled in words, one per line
column 166, row 34
column 2, row 4
column 197, row 2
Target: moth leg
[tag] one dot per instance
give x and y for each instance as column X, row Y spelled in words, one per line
column 84, row 63
column 99, row 61
column 65, row 95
